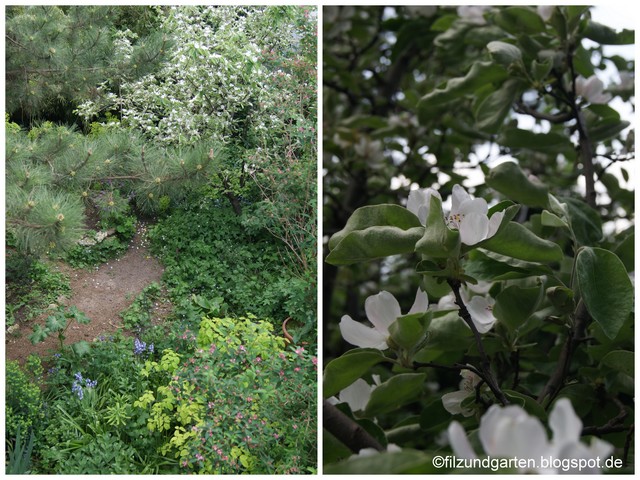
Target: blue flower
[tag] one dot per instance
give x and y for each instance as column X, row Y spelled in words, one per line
column 139, row 346
column 76, row 387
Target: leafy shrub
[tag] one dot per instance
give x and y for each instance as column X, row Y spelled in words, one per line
column 224, row 404
column 76, row 428
column 31, row 285
column 207, row 251
column 23, row 397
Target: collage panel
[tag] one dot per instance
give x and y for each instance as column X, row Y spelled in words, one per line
column 478, row 235
column 161, row 239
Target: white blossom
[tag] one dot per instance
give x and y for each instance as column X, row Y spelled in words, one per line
column 382, row 310
column 452, row 402
column 508, row 432
column 470, row 217
column 591, row 89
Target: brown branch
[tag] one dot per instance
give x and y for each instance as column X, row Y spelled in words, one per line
column 557, row 118
column 347, row 430
column 613, row 425
column 575, row 336
column 485, row 366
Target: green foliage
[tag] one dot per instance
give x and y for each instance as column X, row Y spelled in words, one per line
column 67, row 53
column 58, row 323
column 30, row 286
column 207, row 251
column 19, row 455
column 224, row 404
column 23, row 399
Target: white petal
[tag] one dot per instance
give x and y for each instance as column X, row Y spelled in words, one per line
column 459, row 441
column 481, row 310
column 458, row 196
column 494, row 223
column 361, row 336
column 511, row 432
column 452, row 403
column 382, row 310
column 356, row 395
column 419, row 202
column 473, row 205
column 421, row 303
column 448, row 302
column 474, row 228
column 564, row 423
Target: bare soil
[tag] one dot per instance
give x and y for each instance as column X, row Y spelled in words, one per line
column 101, row 293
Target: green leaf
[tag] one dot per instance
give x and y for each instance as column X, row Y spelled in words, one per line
column 81, row 348
column 447, row 333
column 56, row 323
column 516, row 138
column 517, row 241
column 396, row 392
column 376, row 216
column 549, row 219
column 605, row 288
column 514, row 305
column 480, row 74
column 586, row 223
column 625, row 251
column 492, row 111
column 519, row 20
column 504, row 53
column 374, row 242
column 620, row 360
column 373, row 232
column 607, row 35
column 509, row 179
column 490, row 266
column 438, row 241
column 39, row 334
column 528, row 403
column 343, row 371
column 540, row 70
column 408, row 331
column 562, row 298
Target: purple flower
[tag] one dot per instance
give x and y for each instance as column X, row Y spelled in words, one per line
column 76, row 387
column 139, row 346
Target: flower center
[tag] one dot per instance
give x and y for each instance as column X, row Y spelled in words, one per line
column 455, row 219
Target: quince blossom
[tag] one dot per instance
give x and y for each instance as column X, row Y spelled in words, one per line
column 480, row 308
column 382, row 310
column 468, row 215
column 591, row 89
column 452, row 402
column 508, row 432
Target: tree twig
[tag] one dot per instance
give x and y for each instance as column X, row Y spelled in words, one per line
column 575, row 336
column 485, row 365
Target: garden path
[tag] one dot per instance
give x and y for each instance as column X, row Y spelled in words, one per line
column 101, row 293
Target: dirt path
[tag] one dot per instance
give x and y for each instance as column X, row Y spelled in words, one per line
column 101, row 293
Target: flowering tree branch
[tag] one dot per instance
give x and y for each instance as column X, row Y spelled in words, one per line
column 348, row 431
column 485, row 366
